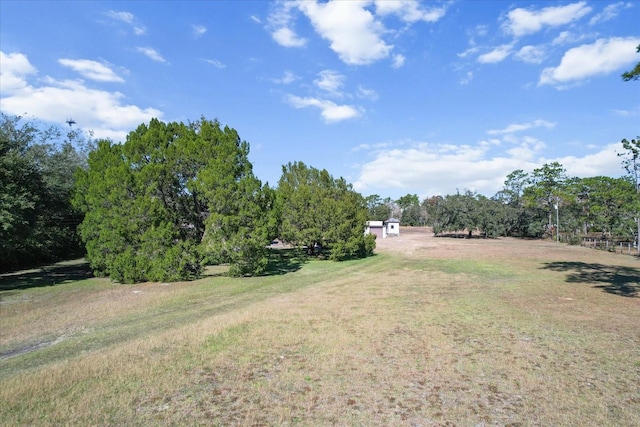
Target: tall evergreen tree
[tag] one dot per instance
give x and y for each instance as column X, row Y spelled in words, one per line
column 318, row 210
column 171, row 197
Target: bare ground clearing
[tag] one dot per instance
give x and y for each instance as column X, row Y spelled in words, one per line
column 431, row 332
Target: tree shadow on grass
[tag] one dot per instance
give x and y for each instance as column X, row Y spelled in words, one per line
column 49, row 275
column 613, row 279
column 283, row 261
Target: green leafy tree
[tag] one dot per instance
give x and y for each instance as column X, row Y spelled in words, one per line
column 317, row 210
column 633, row 74
column 37, row 220
column 410, row 212
column 412, row 216
column 431, row 208
column 379, row 209
column 546, row 190
column 513, row 189
column 242, row 218
column 601, row 204
column 458, row 213
column 171, row 197
column 409, row 205
column 511, row 198
column 407, row 201
column 490, row 217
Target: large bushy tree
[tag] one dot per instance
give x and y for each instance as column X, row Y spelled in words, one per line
column 242, row 218
column 318, row 210
column 171, row 197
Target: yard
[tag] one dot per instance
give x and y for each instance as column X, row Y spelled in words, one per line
column 429, row 332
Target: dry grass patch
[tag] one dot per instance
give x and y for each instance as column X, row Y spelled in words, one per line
column 431, row 332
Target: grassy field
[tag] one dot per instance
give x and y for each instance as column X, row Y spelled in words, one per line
column 429, row 332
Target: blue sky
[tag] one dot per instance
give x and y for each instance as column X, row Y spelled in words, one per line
column 395, row 96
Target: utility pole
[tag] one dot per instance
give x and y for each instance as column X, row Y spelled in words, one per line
column 557, row 206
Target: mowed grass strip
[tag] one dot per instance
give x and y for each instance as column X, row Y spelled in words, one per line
column 390, row 340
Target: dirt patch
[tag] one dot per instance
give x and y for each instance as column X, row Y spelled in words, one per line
column 420, row 242
column 26, row 349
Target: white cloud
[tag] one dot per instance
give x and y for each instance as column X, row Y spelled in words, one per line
column 409, row 10
column 353, row 32
column 467, row 78
column 602, row 57
column 366, row 93
column 14, row 71
column 478, row 31
column 361, row 147
column 279, row 25
column 440, row 169
column 288, row 78
column 609, row 12
column 354, row 29
column 470, row 51
column 151, row 54
column 432, row 169
column 531, row 54
column 198, row 30
column 215, row 63
column 520, row 21
column 330, row 111
column 54, row 100
column 331, row 82
column 526, row 149
column 604, row 162
column 496, row 55
column 563, row 38
column 92, row 70
column 288, row 38
column 127, row 18
column 121, row 16
column 627, row 113
column 519, row 127
column 398, row 61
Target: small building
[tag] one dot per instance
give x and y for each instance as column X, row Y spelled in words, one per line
column 376, row 228
column 383, row 229
column 392, row 227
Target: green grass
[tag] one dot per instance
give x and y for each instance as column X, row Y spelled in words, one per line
column 390, row 340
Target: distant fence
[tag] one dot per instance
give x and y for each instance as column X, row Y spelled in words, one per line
column 627, row 248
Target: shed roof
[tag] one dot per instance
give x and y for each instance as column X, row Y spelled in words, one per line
column 392, row 220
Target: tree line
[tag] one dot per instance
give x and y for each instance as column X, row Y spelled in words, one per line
column 542, row 203
column 171, row 199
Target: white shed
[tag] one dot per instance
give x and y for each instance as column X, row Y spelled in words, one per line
column 391, row 227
